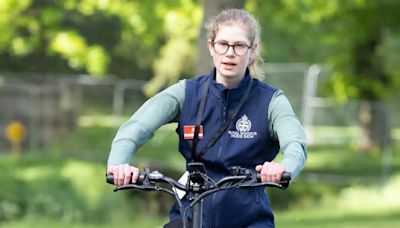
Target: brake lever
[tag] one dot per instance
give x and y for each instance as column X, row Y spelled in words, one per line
column 143, row 187
column 255, row 178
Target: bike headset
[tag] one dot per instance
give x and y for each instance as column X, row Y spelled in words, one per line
column 196, row 156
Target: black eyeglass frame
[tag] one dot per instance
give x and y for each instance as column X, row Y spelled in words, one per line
column 233, row 47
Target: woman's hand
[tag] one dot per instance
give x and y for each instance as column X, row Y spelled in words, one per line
column 123, row 174
column 270, row 171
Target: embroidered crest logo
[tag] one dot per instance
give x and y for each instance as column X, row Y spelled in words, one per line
column 243, row 126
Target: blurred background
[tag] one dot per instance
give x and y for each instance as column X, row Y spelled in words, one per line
column 72, row 71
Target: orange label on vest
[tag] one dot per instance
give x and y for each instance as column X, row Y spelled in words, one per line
column 188, row 131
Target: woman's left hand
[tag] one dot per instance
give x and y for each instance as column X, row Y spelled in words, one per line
column 270, row 171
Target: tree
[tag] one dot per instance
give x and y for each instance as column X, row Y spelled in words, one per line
column 353, row 37
column 210, row 9
column 178, row 54
column 35, row 39
column 97, row 37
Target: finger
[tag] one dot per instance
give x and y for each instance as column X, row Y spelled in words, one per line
column 127, row 174
column 121, row 173
column 135, row 174
column 258, row 168
column 264, row 172
column 271, row 175
column 114, row 171
column 276, row 172
column 272, row 172
column 279, row 175
column 110, row 171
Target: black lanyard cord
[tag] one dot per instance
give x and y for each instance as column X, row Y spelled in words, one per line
column 199, row 118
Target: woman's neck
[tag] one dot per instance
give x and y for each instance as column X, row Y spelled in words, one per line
column 229, row 82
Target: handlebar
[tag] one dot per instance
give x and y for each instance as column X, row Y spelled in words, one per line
column 200, row 184
column 240, row 177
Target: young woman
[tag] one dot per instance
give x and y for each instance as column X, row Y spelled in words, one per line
column 264, row 124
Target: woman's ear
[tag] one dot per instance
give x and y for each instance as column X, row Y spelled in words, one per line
column 254, row 51
column 210, row 49
column 253, row 55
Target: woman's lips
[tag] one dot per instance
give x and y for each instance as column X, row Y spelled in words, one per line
column 228, row 65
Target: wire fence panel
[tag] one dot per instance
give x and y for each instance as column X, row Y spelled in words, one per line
column 62, row 102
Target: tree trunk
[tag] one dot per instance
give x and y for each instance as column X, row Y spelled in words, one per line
column 373, row 114
column 210, row 9
column 375, row 127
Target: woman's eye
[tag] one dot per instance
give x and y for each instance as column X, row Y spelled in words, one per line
column 240, row 46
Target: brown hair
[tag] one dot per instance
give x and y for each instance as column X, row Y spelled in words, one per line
column 242, row 17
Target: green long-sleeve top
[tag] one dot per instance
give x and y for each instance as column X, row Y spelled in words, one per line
column 162, row 108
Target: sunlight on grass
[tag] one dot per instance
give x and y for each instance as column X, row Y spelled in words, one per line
column 332, row 134
column 83, row 177
column 339, row 134
column 101, row 120
column 342, row 159
column 355, row 206
column 318, row 159
column 142, row 222
column 371, row 200
column 34, row 173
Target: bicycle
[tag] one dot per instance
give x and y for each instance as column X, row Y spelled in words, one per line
column 200, row 185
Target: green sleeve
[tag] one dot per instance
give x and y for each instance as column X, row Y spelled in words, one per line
column 158, row 110
column 285, row 127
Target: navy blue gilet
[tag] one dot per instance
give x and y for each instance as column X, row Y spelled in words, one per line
column 245, row 143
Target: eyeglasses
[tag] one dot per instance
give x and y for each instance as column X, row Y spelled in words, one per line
column 222, row 47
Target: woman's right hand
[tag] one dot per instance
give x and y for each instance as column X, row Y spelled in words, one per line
column 123, row 174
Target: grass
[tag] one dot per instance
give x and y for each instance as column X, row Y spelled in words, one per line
column 330, row 218
column 353, row 206
column 142, row 221
column 343, row 159
column 329, row 193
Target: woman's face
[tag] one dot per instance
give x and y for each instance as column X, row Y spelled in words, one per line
column 230, row 66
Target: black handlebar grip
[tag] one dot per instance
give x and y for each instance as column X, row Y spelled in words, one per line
column 286, row 176
column 110, row 178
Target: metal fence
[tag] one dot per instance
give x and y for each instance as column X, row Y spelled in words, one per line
column 44, row 109
column 325, row 120
column 69, row 101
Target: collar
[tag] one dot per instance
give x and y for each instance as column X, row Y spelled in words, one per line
column 220, row 91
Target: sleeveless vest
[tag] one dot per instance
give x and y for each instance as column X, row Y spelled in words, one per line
column 245, row 143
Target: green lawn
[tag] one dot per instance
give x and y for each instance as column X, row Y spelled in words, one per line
column 64, row 187
column 330, row 218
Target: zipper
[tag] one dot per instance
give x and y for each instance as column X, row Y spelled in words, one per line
column 224, row 115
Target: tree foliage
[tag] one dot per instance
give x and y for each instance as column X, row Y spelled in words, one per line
column 357, row 38
column 178, row 54
column 98, row 37
column 145, row 39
